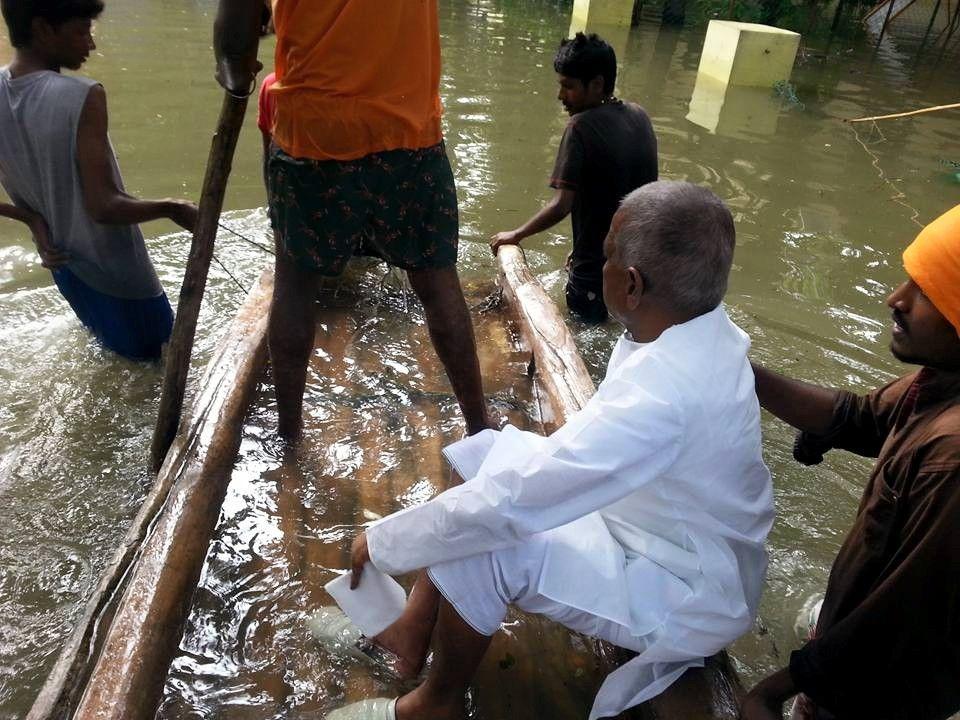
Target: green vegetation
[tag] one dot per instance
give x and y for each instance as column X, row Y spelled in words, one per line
column 803, row 16
column 786, row 91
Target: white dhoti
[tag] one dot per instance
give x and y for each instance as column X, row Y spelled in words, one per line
column 481, row 587
column 641, row 521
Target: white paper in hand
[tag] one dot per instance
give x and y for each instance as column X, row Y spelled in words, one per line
column 376, row 604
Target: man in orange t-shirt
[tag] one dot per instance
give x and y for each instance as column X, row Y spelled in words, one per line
column 357, row 165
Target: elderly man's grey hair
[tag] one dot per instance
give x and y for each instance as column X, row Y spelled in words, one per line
column 680, row 237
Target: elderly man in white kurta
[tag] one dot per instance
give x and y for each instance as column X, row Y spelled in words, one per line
column 642, row 521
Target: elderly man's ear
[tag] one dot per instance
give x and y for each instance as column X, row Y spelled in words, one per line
column 635, row 288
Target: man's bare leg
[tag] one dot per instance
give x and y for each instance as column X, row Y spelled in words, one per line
column 409, row 637
column 451, row 331
column 457, row 654
column 291, row 333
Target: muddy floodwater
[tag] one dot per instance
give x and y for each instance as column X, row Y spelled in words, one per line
column 823, row 210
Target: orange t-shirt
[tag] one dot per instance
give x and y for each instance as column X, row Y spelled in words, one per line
column 356, row 77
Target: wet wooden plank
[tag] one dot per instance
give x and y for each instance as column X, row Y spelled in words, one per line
column 535, row 668
column 128, row 672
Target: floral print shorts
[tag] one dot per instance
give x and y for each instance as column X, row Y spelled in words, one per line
column 397, row 205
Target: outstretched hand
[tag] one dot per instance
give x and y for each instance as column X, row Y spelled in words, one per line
column 51, row 257
column 359, row 556
column 183, row 213
column 508, row 237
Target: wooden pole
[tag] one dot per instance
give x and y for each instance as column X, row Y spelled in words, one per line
column 219, row 402
column 195, row 277
column 126, row 681
column 938, row 108
column 560, row 368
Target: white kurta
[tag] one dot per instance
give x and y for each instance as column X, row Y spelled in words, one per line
column 662, row 469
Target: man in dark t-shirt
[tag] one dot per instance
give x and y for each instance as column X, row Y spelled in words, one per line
column 608, row 150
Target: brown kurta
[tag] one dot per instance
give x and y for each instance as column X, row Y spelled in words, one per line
column 888, row 639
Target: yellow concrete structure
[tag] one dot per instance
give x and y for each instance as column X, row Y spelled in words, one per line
column 601, row 12
column 616, row 35
column 748, row 54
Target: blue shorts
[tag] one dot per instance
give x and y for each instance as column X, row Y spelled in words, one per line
column 135, row 329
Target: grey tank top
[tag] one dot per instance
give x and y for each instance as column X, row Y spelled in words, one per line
column 39, row 115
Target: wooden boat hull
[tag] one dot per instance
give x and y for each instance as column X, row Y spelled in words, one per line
column 372, row 446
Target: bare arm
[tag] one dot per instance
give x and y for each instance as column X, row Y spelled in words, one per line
column 27, row 217
column 102, row 195
column 236, row 34
column 804, row 406
column 550, row 214
column 50, row 256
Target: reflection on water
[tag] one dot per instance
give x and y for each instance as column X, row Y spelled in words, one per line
column 822, row 210
column 733, row 111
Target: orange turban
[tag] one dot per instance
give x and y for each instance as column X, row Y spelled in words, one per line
column 933, row 261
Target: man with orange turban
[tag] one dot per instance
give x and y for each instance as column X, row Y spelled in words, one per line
column 887, row 642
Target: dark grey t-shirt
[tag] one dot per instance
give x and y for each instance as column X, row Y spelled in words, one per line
column 39, row 116
column 606, row 153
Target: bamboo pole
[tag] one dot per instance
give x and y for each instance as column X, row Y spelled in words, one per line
column 180, row 349
column 126, row 681
column 711, row 693
column 938, row 108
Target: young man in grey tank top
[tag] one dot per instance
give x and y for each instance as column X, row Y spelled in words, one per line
column 60, row 171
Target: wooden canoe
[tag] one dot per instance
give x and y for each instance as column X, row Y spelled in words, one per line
column 375, row 428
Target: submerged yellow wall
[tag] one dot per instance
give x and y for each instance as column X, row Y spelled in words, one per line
column 601, row 12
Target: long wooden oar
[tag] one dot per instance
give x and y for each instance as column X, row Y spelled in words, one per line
column 180, row 349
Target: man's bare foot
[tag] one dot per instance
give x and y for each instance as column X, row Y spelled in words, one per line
column 493, row 420
column 410, row 642
column 423, row 705
column 479, row 424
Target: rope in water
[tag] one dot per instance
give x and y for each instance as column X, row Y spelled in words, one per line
column 225, row 269
column 897, row 196
column 249, row 241
column 245, row 238
column 230, row 274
